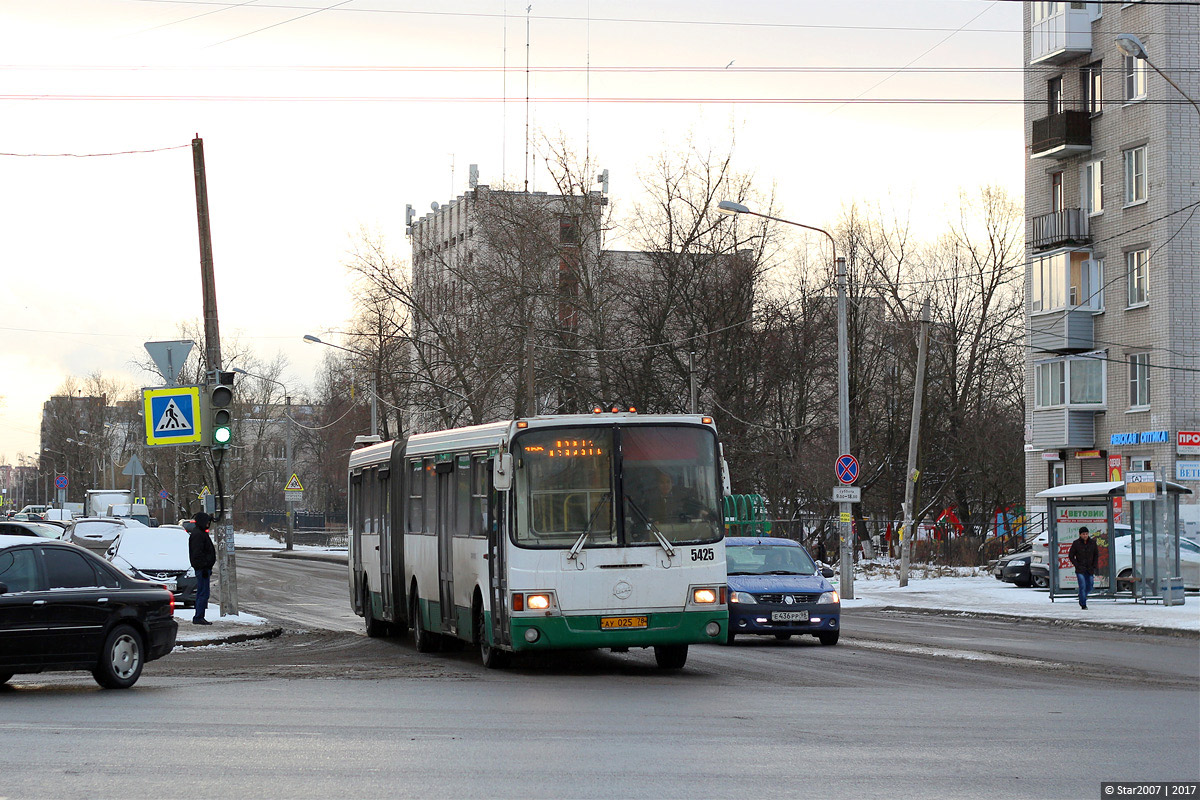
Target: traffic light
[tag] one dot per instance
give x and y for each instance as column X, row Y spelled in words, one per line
column 220, row 399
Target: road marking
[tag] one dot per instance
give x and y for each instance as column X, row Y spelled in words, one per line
column 960, row 655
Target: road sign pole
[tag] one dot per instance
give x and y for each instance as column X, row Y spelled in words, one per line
column 287, row 545
column 845, row 530
column 227, row 565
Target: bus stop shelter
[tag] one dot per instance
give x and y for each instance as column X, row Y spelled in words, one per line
column 1139, row 553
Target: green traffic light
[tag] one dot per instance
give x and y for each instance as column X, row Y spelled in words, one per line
column 222, row 435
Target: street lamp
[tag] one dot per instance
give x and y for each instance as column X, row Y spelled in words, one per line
column 845, row 532
column 287, row 399
column 308, row 337
column 1132, row 46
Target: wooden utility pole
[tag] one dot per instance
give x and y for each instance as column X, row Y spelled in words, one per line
column 226, row 560
column 914, row 439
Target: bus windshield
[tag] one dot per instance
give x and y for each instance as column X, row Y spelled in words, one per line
column 668, row 486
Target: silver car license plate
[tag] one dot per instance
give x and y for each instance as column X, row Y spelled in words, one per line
column 789, row 616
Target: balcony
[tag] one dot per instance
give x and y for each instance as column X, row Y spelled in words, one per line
column 1068, row 330
column 1059, row 428
column 1061, row 135
column 1066, row 228
column 1061, row 36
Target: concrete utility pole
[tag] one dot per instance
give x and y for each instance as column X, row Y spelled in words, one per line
column 914, row 439
column 226, row 559
column 291, row 513
column 845, row 525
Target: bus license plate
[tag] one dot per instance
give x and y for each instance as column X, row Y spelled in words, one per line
column 789, row 616
column 609, row 623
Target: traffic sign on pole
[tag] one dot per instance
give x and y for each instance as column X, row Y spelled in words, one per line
column 846, row 468
column 61, row 482
column 172, row 415
column 847, row 494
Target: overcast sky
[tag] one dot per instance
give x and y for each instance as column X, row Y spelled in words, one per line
column 322, row 117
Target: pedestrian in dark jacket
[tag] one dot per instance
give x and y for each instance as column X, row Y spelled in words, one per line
column 203, row 557
column 1085, row 557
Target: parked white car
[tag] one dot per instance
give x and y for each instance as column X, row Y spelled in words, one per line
column 98, row 533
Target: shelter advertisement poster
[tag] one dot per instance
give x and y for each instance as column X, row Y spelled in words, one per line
column 1070, row 519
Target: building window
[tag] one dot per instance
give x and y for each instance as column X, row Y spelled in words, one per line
column 1135, row 79
column 1139, row 381
column 1054, row 96
column 1075, row 382
column 1137, row 262
column 1139, row 464
column 568, row 230
column 1056, row 191
column 1092, row 189
column 1135, row 175
column 1051, row 384
column 1091, row 88
column 1065, row 280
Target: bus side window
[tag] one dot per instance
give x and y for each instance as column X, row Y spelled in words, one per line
column 480, row 473
column 431, row 509
column 416, row 485
column 462, row 495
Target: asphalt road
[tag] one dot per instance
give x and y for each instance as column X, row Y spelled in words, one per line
column 905, row 706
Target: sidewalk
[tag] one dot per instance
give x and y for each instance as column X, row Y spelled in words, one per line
column 224, row 630
column 984, row 596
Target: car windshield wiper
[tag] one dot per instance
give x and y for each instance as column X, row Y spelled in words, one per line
column 575, row 548
column 785, row 572
column 662, row 540
column 741, row 573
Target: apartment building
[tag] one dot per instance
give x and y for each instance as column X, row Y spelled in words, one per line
column 1112, row 198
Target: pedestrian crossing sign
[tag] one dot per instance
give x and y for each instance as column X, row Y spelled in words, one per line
column 172, row 415
column 294, row 484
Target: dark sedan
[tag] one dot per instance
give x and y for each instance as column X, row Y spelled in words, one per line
column 64, row 608
column 775, row 589
column 1014, row 568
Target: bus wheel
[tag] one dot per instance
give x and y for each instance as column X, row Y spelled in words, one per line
column 375, row 628
column 492, row 657
column 671, row 656
column 425, row 641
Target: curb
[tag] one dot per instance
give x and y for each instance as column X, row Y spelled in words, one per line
column 329, row 558
column 234, row 638
column 1181, row 633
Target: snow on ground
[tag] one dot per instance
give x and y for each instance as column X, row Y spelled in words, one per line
column 983, row 594
column 221, row 626
column 263, row 541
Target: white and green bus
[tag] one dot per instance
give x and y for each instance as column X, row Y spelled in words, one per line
column 594, row 530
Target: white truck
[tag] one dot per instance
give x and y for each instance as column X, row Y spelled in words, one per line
column 99, row 500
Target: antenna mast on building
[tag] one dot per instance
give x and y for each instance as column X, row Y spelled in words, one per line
column 528, row 9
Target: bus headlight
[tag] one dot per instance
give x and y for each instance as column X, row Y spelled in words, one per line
column 829, row 597
column 704, row 596
column 537, row 602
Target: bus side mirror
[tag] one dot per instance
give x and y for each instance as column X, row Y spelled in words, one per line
column 725, row 485
column 502, row 471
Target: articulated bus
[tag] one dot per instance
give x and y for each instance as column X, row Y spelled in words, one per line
column 598, row 530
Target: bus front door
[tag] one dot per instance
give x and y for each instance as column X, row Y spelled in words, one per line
column 445, row 536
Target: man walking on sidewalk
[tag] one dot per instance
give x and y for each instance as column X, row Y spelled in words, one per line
column 203, row 557
column 1085, row 557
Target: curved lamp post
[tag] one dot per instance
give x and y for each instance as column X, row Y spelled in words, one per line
column 845, row 551
column 308, row 337
column 1132, row 46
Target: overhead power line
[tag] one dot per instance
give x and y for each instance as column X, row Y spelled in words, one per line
column 942, row 101
column 95, row 155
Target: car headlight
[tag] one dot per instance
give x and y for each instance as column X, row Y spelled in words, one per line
column 1019, row 562
column 191, row 572
column 829, row 597
column 742, row 597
